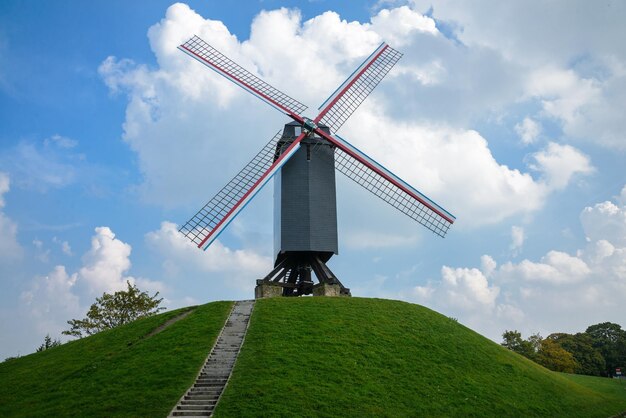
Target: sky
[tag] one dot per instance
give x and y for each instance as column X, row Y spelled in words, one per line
column 509, row 115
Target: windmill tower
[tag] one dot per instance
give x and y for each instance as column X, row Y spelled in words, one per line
column 303, row 159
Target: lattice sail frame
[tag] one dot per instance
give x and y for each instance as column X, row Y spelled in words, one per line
column 211, row 220
column 349, row 96
column 215, row 60
column 397, row 193
column 217, row 213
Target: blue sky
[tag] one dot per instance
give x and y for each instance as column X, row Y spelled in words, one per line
column 511, row 117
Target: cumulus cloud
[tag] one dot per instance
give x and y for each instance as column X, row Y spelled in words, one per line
column 181, row 99
column 606, row 220
column 585, row 105
column 441, row 83
column 558, row 292
column 397, row 25
column 462, row 289
column 468, row 289
column 10, row 249
column 50, row 300
column 456, row 167
column 577, row 74
column 236, row 269
column 106, row 262
column 528, row 130
column 559, row 163
column 487, row 265
column 555, row 267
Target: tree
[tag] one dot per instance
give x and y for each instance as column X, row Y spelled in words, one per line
column 110, row 311
column 513, row 341
column 48, row 343
column 610, row 340
column 588, row 358
column 552, row 356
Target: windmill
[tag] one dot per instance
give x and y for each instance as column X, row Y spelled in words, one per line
column 302, row 159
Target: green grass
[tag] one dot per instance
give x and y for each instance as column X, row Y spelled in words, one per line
column 116, row 372
column 611, row 388
column 355, row 357
column 348, row 357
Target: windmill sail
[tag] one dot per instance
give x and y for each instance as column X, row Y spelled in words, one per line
column 215, row 60
column 347, row 98
column 205, row 226
column 208, row 223
column 375, row 178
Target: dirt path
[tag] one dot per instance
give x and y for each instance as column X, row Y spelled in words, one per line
column 168, row 323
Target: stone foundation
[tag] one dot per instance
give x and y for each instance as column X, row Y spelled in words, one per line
column 267, row 290
column 324, row 289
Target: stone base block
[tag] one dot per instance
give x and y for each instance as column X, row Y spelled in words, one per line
column 324, row 289
column 267, row 290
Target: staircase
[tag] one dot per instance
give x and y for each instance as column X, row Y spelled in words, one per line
column 201, row 398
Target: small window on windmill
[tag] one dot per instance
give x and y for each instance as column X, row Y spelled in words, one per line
column 297, row 130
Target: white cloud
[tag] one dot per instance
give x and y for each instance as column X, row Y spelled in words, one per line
column 517, row 239
column 563, row 92
column 487, row 265
column 559, row 163
column 587, row 107
column 468, row 289
column 106, row 262
column 10, row 249
column 181, row 99
column 457, row 169
column 397, row 25
column 528, row 130
column 605, row 221
column 459, row 291
column 233, row 268
column 50, row 301
column 555, row 267
column 65, row 246
column 560, row 292
column 577, row 73
column 510, row 313
column 520, row 32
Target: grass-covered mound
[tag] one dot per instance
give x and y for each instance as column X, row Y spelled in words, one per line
column 121, row 372
column 302, row 357
column 357, row 357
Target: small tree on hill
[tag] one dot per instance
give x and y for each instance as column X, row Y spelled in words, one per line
column 48, row 342
column 111, row 311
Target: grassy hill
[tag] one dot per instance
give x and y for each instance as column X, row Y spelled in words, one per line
column 303, row 357
column 120, row 372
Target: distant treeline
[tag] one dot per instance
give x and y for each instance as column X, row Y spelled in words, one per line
column 598, row 351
